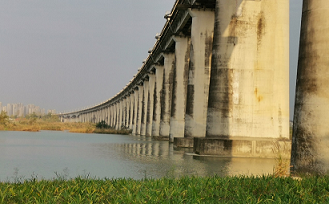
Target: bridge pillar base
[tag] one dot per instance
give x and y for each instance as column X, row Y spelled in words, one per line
column 243, row 147
column 160, row 138
column 186, row 142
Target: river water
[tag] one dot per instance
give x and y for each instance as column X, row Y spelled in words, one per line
column 52, row 154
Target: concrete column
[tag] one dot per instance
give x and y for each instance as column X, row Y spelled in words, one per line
column 310, row 141
column 178, row 105
column 113, row 115
column 144, row 106
column 199, row 72
column 123, row 107
column 120, row 118
column 131, row 110
column 157, row 100
column 135, row 110
column 139, row 110
column 108, row 122
column 127, row 111
column 168, row 72
column 150, row 105
column 117, row 115
column 249, row 85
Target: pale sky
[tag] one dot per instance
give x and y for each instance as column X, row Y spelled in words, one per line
column 70, row 54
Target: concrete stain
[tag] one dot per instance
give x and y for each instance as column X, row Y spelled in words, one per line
column 155, row 101
column 260, row 27
column 173, row 75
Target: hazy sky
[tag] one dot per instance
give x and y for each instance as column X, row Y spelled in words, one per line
column 70, row 54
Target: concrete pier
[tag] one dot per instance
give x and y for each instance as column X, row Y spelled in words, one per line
column 199, row 72
column 139, row 109
column 134, row 122
column 144, row 106
column 150, row 105
column 248, row 95
column 157, row 101
column 131, row 110
column 310, row 141
column 168, row 72
column 179, row 90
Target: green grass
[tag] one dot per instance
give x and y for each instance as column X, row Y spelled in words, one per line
column 266, row 189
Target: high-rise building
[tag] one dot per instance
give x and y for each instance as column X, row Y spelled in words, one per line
column 9, row 109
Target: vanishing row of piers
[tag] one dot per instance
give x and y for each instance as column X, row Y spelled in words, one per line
column 217, row 80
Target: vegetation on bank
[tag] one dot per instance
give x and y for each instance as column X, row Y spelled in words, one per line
column 34, row 123
column 266, row 189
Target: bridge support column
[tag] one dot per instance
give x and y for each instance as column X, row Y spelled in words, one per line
column 199, row 73
column 108, row 110
column 135, row 110
column 249, row 94
column 131, row 109
column 117, row 115
column 139, row 110
column 127, row 104
column 150, row 105
column 124, row 112
column 168, row 72
column 180, row 79
column 157, row 101
column 144, row 106
column 310, row 140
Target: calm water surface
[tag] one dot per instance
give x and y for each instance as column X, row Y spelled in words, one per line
column 49, row 154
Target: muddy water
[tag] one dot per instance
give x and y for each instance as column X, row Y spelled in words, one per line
column 48, row 155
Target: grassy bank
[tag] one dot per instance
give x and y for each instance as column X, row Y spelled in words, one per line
column 34, row 124
column 267, row 189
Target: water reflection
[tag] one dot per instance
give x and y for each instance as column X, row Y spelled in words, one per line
column 111, row 156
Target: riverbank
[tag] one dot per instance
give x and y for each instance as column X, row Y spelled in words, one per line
column 266, row 189
column 39, row 124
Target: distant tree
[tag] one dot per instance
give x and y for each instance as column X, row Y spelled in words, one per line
column 102, row 125
column 4, row 118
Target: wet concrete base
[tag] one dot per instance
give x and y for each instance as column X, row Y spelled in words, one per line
column 243, row 147
column 160, row 138
column 185, row 142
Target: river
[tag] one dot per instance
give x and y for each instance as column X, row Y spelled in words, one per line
column 53, row 154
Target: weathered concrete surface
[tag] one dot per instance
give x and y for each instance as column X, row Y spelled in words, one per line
column 131, row 110
column 144, row 106
column 249, row 84
column 168, row 72
column 150, row 105
column 310, row 142
column 243, row 147
column 199, row 72
column 179, row 90
column 135, row 110
column 139, row 109
column 186, row 142
column 157, row 100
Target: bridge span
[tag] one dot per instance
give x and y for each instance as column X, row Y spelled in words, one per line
column 217, row 80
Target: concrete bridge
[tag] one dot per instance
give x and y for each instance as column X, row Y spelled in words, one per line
column 217, row 80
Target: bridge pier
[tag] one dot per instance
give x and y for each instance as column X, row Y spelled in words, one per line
column 150, row 105
column 166, row 97
column 198, row 76
column 134, row 122
column 310, row 139
column 139, row 110
column 130, row 105
column 144, row 106
column 157, row 101
column 180, row 76
column 248, row 95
